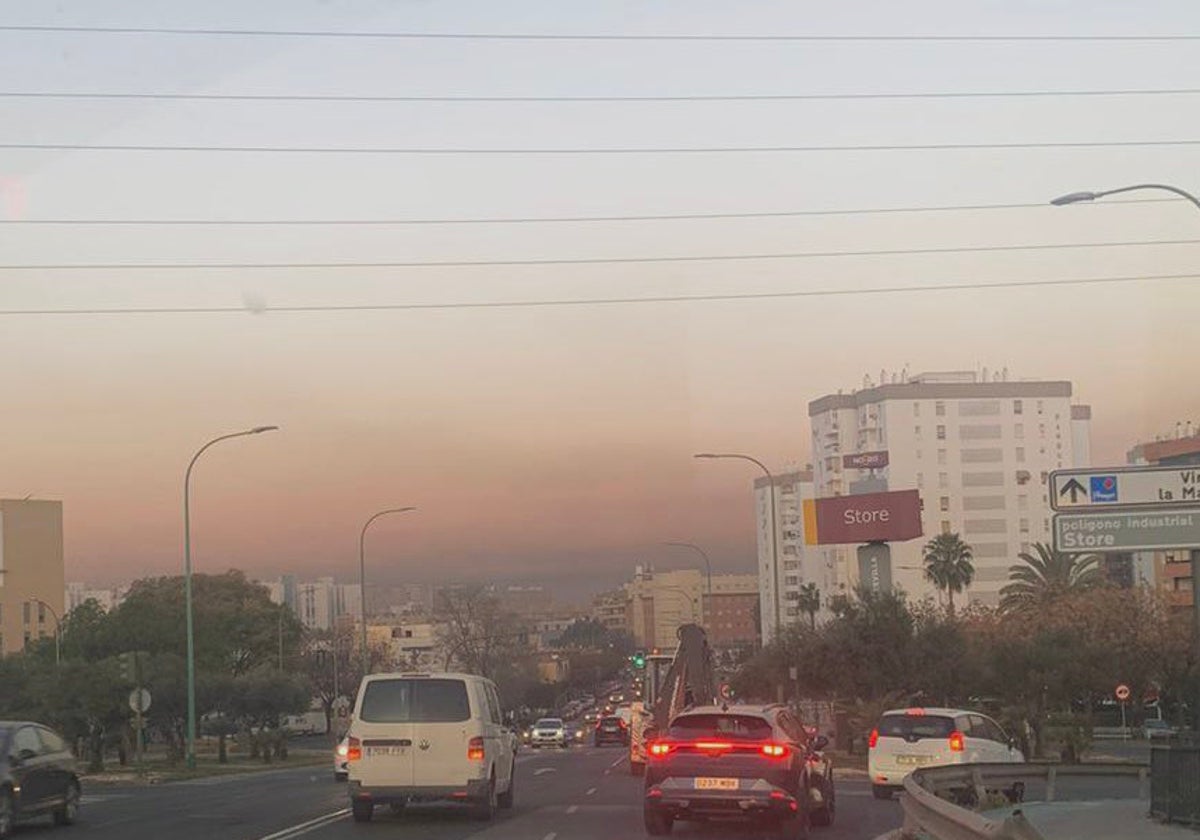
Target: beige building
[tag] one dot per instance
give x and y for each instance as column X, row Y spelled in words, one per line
column 659, row 602
column 32, row 581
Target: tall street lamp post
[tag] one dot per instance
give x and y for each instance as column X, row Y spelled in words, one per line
column 774, row 527
column 362, row 576
column 187, row 584
column 57, row 627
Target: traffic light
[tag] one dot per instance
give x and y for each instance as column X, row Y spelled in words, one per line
column 639, row 660
column 127, row 669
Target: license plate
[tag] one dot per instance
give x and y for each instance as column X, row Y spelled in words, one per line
column 716, row 784
column 911, row 759
column 373, row 752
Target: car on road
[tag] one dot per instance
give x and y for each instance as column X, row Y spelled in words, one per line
column 548, row 732
column 747, row 763
column 610, row 729
column 905, row 739
column 37, row 776
column 429, row 737
column 341, row 767
column 1153, row 729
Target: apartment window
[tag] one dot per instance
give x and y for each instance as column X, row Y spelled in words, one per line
column 916, row 409
column 791, row 580
column 1024, row 526
column 920, row 480
column 939, row 408
column 942, row 456
column 1018, row 407
column 1022, row 502
column 1025, row 548
column 945, row 526
column 945, row 502
column 1019, row 430
column 25, row 612
column 1041, row 406
column 941, row 432
column 1042, row 429
column 918, row 454
column 41, row 613
column 1020, row 454
column 943, row 480
column 917, row 432
column 1045, row 524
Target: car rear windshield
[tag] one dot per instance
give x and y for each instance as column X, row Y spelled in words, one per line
column 748, row 727
column 415, row 701
column 549, row 723
column 611, row 720
column 915, row 727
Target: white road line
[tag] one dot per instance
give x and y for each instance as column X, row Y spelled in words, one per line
column 542, row 770
column 570, row 810
column 305, row 827
column 590, row 791
column 551, row 835
column 618, row 761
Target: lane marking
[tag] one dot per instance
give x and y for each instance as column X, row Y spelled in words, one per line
column 590, row 791
column 305, row 827
column 618, row 761
column 542, row 770
column 551, row 835
column 570, row 810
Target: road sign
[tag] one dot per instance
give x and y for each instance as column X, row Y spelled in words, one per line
column 139, row 700
column 1122, row 692
column 1124, row 487
column 1129, row 530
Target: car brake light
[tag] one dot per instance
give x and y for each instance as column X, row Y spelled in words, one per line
column 774, row 750
column 915, row 712
column 660, row 748
column 873, row 739
column 957, row 742
column 621, row 722
column 714, row 746
column 475, row 749
column 353, row 749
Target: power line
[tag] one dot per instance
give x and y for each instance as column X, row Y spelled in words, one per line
column 246, row 266
column 581, row 302
column 502, row 220
column 616, row 150
column 544, row 36
column 765, row 97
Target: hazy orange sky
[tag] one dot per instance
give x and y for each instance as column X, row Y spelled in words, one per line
column 553, row 444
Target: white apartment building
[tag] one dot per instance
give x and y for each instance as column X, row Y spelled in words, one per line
column 108, row 599
column 318, row 604
column 798, row 565
column 978, row 449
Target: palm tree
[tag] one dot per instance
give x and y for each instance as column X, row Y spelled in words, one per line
column 1048, row 574
column 810, row 602
column 948, row 565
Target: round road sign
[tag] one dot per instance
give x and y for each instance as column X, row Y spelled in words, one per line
column 1122, row 692
column 139, row 700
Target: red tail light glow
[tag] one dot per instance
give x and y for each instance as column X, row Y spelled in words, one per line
column 353, row 749
column 774, row 750
column 714, row 746
column 660, row 748
column 957, row 742
column 873, row 739
column 475, row 749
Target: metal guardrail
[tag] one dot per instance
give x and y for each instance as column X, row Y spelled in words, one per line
column 1175, row 782
column 929, row 793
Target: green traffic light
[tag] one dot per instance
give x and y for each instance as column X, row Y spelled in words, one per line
column 639, row 660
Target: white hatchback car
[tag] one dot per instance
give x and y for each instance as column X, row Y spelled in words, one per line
column 429, row 737
column 905, row 739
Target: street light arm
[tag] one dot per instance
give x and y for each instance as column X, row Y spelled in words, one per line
column 1078, row 197
column 759, row 463
column 362, row 574
column 257, row 430
column 701, row 552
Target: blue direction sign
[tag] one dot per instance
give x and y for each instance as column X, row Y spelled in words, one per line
column 1124, row 487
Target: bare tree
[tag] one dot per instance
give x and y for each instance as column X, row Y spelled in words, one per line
column 476, row 632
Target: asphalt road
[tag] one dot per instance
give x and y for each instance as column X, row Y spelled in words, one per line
column 579, row 794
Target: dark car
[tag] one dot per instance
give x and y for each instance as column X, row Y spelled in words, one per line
column 38, row 776
column 610, row 729
column 736, row 763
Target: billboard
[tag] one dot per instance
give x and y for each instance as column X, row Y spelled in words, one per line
column 875, row 567
column 865, row 460
column 863, row 518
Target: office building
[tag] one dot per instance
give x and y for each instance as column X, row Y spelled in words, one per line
column 32, row 580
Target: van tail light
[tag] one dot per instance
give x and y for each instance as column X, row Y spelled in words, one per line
column 659, row 749
column 957, row 742
column 475, row 749
column 353, row 749
column 622, row 723
column 873, row 739
column 774, row 750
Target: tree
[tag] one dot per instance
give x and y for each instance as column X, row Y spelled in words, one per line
column 1047, row 575
column 810, row 602
column 476, row 631
column 948, row 565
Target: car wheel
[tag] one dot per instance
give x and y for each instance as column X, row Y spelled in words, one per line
column 362, row 811
column 881, row 791
column 6, row 814
column 484, row 809
column 506, row 799
column 657, row 823
column 824, row 815
column 68, row 812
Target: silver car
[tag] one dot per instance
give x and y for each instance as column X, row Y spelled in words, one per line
column 548, row 732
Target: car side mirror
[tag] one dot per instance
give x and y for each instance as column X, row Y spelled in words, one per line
column 820, row 742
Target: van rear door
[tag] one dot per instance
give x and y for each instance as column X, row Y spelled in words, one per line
column 386, row 734
column 443, row 725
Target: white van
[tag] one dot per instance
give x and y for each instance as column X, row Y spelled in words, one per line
column 905, row 739
column 429, row 737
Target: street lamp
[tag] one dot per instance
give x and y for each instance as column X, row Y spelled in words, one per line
column 774, row 528
column 691, row 602
column 362, row 575
column 187, row 584
column 57, row 628
column 700, row 551
column 1079, row 197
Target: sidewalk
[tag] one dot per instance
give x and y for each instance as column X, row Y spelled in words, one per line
column 1111, row 819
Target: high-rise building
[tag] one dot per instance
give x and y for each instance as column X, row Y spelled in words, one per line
column 318, row 604
column 32, row 580
column 797, row 565
column 979, row 450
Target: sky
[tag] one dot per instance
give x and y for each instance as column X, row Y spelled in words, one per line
column 552, row 443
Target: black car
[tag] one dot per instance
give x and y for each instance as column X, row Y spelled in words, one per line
column 611, row 729
column 746, row 763
column 38, row 776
